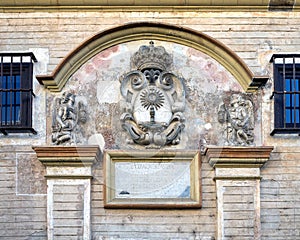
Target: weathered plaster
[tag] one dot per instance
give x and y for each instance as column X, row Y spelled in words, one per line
column 30, row 175
column 206, row 81
column 157, row 32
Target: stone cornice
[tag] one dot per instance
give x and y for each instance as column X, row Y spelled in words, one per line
column 155, row 5
column 243, row 157
column 68, row 155
column 151, row 31
column 135, row 2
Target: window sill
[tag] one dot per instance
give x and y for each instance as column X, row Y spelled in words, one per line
column 6, row 130
column 285, row 131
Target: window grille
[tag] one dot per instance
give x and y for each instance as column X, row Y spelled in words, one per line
column 16, row 92
column 286, row 93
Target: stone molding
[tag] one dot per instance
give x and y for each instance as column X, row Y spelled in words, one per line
column 245, row 157
column 68, row 156
column 137, row 5
column 68, row 162
column 151, row 31
column 157, row 159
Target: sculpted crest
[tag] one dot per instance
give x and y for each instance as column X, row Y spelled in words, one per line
column 153, row 99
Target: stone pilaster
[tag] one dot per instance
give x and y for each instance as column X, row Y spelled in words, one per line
column 237, row 176
column 68, row 173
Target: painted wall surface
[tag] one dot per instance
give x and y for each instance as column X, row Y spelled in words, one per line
column 207, row 84
column 254, row 36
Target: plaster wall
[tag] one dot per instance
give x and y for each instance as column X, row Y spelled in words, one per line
column 254, row 36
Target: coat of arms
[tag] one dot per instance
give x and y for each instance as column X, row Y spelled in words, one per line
column 153, row 99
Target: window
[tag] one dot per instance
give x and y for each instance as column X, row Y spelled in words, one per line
column 286, row 93
column 16, row 92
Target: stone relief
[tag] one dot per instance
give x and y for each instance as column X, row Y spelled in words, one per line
column 68, row 114
column 238, row 118
column 153, row 99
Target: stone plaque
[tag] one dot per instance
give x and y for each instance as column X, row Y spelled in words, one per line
column 152, row 179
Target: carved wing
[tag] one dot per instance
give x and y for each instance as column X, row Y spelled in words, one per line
column 175, row 87
column 131, row 84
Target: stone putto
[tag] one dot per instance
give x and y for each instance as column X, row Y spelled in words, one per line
column 238, row 119
column 67, row 115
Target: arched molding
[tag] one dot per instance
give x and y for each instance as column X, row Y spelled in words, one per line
column 150, row 31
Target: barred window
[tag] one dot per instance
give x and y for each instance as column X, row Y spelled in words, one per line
column 16, row 92
column 286, row 93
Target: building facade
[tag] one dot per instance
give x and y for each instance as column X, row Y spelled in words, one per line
column 162, row 120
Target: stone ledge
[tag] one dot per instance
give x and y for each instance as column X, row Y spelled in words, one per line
column 154, row 5
column 68, row 155
column 237, row 157
column 264, row 3
column 135, row 3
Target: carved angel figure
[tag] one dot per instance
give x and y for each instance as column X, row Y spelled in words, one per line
column 66, row 117
column 153, row 99
column 239, row 119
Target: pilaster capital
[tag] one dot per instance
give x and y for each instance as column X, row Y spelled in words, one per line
column 237, row 157
column 68, row 161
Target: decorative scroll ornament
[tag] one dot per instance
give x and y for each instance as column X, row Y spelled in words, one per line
column 67, row 115
column 239, row 119
column 153, row 99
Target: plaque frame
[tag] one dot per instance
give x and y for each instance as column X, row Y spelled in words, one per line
column 176, row 158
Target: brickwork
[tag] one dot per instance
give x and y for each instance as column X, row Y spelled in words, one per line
column 157, row 224
column 254, row 36
column 239, row 210
column 22, row 209
column 280, row 204
column 67, row 209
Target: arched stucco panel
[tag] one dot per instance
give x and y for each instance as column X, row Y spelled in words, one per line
column 151, row 31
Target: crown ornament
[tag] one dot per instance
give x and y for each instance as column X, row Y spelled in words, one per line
column 151, row 57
